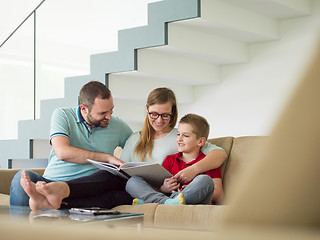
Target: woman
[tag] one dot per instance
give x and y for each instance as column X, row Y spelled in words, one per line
column 157, row 139
column 153, row 143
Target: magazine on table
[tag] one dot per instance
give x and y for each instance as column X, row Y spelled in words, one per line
column 153, row 173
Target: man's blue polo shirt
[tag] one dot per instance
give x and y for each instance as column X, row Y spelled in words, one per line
column 69, row 122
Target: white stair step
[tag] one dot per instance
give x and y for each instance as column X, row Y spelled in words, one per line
column 177, row 66
column 40, row 148
column 122, row 85
column 229, row 20
column 49, row 105
column 40, row 128
column 13, row 149
column 279, row 9
column 220, row 50
column 72, row 87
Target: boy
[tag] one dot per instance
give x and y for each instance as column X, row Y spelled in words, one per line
column 205, row 188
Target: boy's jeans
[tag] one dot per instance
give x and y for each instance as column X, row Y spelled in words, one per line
column 199, row 191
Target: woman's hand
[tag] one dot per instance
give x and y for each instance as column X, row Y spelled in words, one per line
column 169, row 185
column 186, row 175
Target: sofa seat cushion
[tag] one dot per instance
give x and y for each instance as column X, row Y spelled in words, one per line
column 196, row 217
column 147, row 209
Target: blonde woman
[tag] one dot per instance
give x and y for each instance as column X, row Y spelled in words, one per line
column 157, row 139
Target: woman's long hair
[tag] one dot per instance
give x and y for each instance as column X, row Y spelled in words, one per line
column 157, row 96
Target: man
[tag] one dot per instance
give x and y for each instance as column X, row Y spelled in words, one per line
column 78, row 134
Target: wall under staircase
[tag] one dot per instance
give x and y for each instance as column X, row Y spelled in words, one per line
column 233, row 61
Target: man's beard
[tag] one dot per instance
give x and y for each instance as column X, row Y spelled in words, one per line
column 96, row 123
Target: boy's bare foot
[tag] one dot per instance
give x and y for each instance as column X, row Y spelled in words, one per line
column 54, row 192
column 37, row 200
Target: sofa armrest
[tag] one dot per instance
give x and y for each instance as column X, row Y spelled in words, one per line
column 6, row 176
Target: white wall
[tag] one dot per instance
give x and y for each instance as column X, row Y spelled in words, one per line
column 251, row 96
column 68, row 32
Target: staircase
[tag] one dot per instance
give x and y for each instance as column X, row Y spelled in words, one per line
column 189, row 46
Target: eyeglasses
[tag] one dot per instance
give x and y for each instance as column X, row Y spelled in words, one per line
column 164, row 116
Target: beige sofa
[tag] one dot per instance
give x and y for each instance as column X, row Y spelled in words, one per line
column 238, row 150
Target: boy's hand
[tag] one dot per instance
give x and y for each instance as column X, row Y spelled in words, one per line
column 186, row 175
column 182, row 187
column 169, row 185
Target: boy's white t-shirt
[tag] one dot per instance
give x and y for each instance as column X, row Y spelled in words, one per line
column 161, row 149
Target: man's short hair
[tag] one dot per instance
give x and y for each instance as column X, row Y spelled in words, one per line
column 90, row 91
column 200, row 125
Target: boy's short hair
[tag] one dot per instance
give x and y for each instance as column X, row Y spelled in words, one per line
column 199, row 124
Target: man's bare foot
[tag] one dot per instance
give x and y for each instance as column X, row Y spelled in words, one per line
column 54, row 192
column 37, row 200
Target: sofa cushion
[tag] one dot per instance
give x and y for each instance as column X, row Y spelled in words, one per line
column 4, row 199
column 226, row 144
column 240, row 158
column 8, row 174
column 6, row 177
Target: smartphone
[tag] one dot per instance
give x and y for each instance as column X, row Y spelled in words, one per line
column 94, row 211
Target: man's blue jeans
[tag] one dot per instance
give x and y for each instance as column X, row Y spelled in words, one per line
column 18, row 197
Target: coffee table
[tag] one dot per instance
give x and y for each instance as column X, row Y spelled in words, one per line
column 63, row 217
